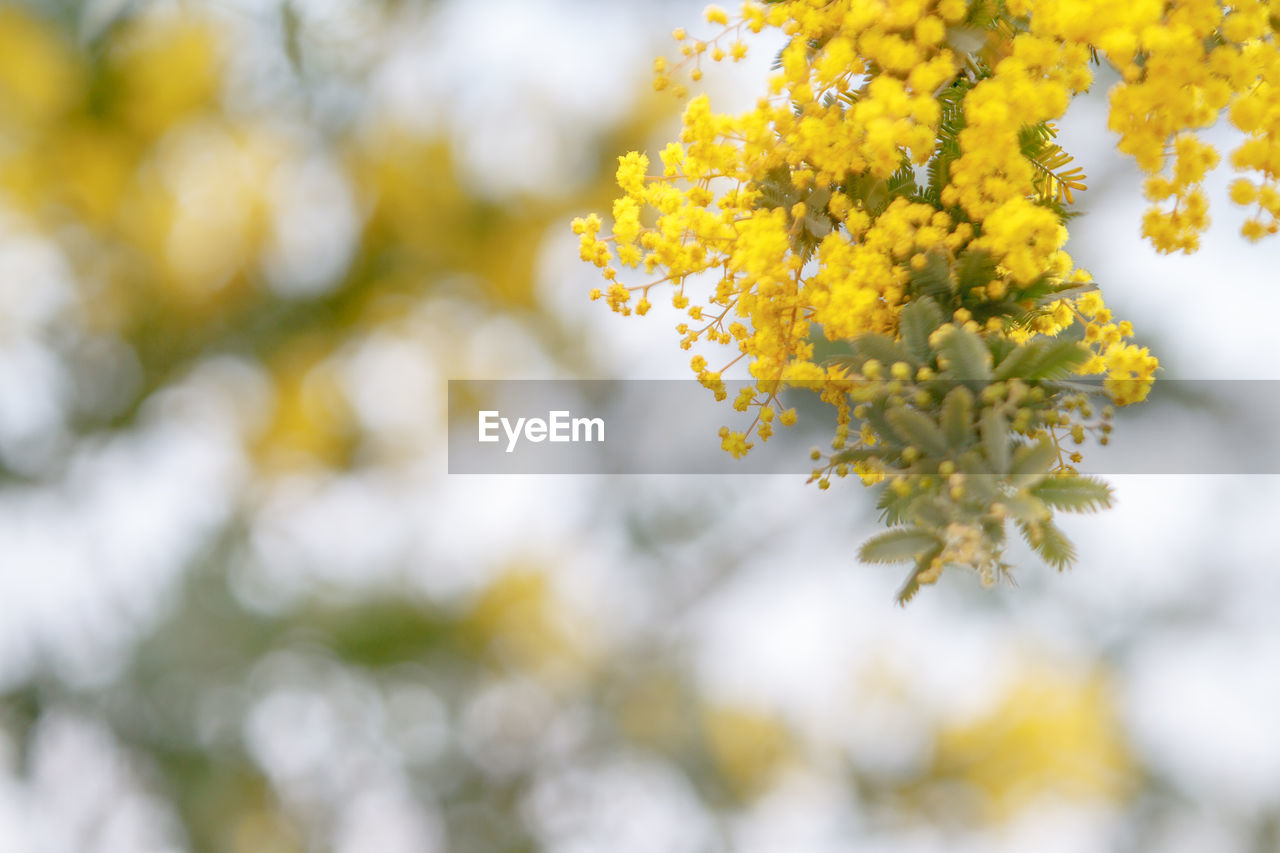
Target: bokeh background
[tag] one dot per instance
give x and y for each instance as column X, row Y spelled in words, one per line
column 243, row 607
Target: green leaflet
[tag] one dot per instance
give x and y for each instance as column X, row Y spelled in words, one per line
column 856, row 454
column 974, row 269
column 884, row 350
column 1050, row 543
column 916, row 322
column 912, row 585
column 995, row 440
column 967, row 356
column 961, row 422
column 1031, row 462
column 897, row 546
column 1075, row 493
column 1019, row 360
column 957, row 417
column 934, row 280
column 918, row 430
column 1026, row 508
column 1056, row 359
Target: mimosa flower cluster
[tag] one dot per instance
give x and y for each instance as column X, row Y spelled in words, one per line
column 906, row 151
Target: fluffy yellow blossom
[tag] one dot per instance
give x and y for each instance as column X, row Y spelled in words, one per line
column 903, row 143
column 1024, row 236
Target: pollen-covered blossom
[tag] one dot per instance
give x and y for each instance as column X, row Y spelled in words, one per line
column 806, row 216
column 891, row 217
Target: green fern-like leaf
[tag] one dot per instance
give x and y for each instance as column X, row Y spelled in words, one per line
column 856, row 454
column 912, row 586
column 918, row 430
column 1075, row 493
column 776, row 190
column 995, row 439
column 1026, row 508
column 974, row 269
column 901, row 545
column 895, row 509
column 902, row 183
column 1031, row 463
column 1053, row 180
column 1015, row 364
column 883, row 349
column 957, row 417
column 1050, row 543
column 933, row 280
column 1042, row 359
column 916, row 323
column 967, row 356
column 1057, row 359
column 947, row 149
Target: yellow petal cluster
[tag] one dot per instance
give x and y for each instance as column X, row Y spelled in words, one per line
column 1182, row 64
column 896, row 131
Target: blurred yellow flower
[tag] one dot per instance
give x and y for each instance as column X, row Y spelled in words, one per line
column 311, row 423
column 748, row 747
column 168, row 68
column 519, row 620
column 40, row 78
column 1049, row 734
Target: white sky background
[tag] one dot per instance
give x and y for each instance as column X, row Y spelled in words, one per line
column 1181, row 570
